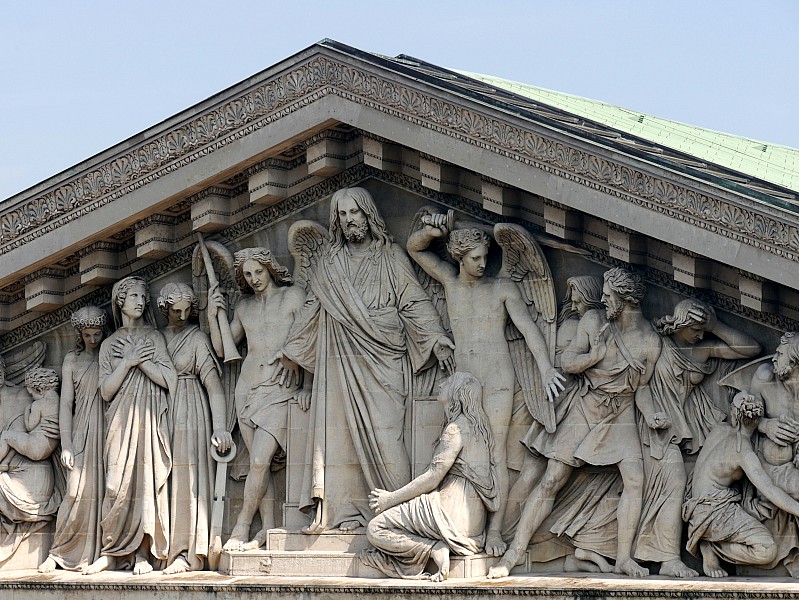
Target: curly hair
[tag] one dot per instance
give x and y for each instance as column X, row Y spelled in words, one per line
column 746, row 409
column 175, row 292
column 41, row 379
column 280, row 274
column 463, row 241
column 88, row 317
column 628, row 285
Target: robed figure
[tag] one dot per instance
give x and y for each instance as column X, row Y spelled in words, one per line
column 367, row 326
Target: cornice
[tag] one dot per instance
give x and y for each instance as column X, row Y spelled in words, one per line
column 631, row 180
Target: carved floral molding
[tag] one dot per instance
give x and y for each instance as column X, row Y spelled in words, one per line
column 321, row 75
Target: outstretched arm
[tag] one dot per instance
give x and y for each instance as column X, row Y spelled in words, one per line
column 447, row 451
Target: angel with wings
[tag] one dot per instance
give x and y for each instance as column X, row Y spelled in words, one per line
column 264, row 317
column 497, row 325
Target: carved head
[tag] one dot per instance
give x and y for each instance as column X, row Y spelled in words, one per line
column 40, row 380
column 691, row 319
column 249, row 276
column 621, row 288
column 746, row 410
column 353, row 213
column 583, row 293
column 91, row 325
column 177, row 302
column 469, row 247
column 786, row 357
column 119, row 298
column 463, row 395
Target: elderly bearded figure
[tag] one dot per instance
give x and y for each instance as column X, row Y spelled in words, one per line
column 366, row 328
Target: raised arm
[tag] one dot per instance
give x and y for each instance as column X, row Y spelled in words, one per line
column 732, row 344
column 216, row 302
column 418, row 242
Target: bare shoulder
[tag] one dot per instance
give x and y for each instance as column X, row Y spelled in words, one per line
column 764, row 373
column 593, row 320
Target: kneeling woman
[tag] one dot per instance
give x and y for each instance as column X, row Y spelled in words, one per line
column 444, row 509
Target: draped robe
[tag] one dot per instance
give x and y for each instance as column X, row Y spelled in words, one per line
column 138, row 457
column 366, row 327
column 77, row 537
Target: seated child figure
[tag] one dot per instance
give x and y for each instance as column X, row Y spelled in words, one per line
column 40, row 417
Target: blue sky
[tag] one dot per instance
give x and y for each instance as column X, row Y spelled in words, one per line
column 80, row 76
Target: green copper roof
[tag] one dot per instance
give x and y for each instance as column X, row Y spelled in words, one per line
column 770, row 162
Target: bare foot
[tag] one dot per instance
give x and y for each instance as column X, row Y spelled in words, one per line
column 142, row 566
column 238, row 537
column 597, row 561
column 495, row 545
column 179, row 565
column 313, row 529
column 48, row 566
column 101, row 564
column 710, row 562
column 572, row 565
column 440, row 556
column 503, row 567
column 677, row 568
column 629, row 567
column 349, row 525
column 256, row 542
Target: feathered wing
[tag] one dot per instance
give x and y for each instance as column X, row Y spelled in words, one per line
column 19, row 363
column 524, row 262
column 306, row 240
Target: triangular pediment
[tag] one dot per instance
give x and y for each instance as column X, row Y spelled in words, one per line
column 330, row 116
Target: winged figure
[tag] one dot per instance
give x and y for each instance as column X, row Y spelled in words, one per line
column 503, row 326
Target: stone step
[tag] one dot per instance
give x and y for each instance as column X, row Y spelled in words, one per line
column 332, row 564
column 329, row 541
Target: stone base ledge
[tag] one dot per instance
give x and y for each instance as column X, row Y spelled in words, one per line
column 214, row 586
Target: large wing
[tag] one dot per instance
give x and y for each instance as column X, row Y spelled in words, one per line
column 524, row 262
column 18, row 363
column 306, row 240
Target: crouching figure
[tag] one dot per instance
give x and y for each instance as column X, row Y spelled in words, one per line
column 444, row 509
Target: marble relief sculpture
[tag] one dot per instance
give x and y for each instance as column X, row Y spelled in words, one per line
column 136, row 379
column 615, row 353
column 196, row 418
column 774, row 380
column 77, row 540
column 444, row 509
column 719, row 525
column 28, row 436
column 366, row 328
column 480, row 309
column 686, row 358
column 264, row 318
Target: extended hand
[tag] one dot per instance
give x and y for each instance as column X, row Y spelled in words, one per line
column 658, row 420
column 222, row 440
column 554, row 383
column 303, row 399
column 443, row 349
column 379, row 500
column 287, row 373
